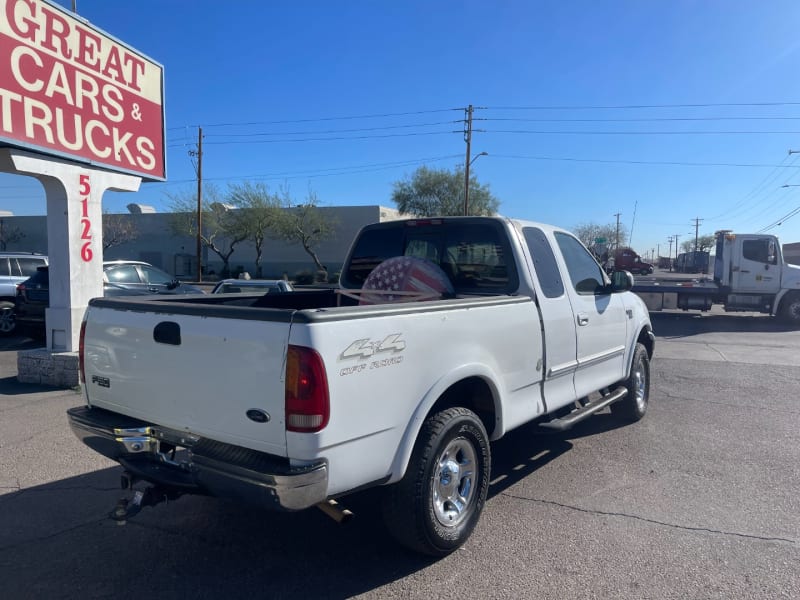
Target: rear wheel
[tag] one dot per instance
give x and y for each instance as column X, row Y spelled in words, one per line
column 634, row 405
column 7, row 321
column 435, row 507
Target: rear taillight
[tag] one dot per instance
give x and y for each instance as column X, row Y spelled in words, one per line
column 307, row 401
column 81, row 336
column 20, row 289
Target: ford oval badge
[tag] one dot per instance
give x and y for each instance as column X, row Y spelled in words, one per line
column 258, row 415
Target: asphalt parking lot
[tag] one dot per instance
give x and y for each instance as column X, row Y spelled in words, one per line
column 698, row 500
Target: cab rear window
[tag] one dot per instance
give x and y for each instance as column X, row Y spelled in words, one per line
column 475, row 256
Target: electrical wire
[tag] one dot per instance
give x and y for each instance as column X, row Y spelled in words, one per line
column 641, row 162
column 560, row 132
column 319, row 119
column 339, row 138
column 640, row 106
column 640, row 120
column 331, row 131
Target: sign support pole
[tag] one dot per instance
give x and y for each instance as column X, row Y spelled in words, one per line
column 74, row 235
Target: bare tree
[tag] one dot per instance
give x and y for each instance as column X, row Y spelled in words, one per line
column 9, row 234
column 221, row 228
column 118, row 229
column 259, row 212
column 589, row 233
column 305, row 224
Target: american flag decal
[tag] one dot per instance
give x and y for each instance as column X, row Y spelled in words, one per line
column 405, row 279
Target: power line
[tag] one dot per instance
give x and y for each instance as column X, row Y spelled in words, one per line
column 639, row 106
column 331, row 131
column 642, row 162
column 758, row 189
column 318, row 119
column 639, row 120
column 576, row 132
column 332, row 171
column 332, row 139
column 780, row 221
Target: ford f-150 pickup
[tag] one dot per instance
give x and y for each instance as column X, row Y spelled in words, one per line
column 444, row 335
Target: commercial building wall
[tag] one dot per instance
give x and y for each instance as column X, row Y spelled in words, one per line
column 791, row 253
column 157, row 244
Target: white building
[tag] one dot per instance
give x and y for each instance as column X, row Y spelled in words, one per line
column 157, row 244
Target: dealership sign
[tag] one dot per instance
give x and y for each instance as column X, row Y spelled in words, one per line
column 68, row 89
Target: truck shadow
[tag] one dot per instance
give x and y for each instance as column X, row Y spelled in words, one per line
column 680, row 324
column 200, row 547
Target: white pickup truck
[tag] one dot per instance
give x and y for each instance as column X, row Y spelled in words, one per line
column 445, row 335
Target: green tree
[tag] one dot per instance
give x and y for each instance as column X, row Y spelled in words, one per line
column 305, row 224
column 439, row 192
column 259, row 213
column 704, row 243
column 222, row 228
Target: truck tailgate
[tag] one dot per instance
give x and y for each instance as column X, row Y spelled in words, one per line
column 191, row 373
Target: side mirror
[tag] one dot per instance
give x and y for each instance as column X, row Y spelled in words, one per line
column 621, row 281
column 173, row 284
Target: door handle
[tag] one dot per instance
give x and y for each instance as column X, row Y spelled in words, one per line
column 743, row 271
column 583, row 319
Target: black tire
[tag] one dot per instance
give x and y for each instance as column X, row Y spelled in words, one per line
column 429, row 511
column 634, row 405
column 7, row 321
column 790, row 309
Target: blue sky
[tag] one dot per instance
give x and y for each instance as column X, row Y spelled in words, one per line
column 661, row 111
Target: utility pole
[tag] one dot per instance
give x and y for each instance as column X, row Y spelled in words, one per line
column 676, row 236
column 468, row 140
column 199, row 155
column 669, row 239
column 697, row 221
column 616, row 240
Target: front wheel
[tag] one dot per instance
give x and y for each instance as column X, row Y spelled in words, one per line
column 434, row 508
column 634, row 405
column 7, row 320
column 790, row 309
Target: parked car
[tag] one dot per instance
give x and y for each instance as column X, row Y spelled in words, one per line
column 252, row 286
column 15, row 267
column 33, row 298
column 142, row 276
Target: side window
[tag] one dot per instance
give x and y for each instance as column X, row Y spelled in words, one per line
column 156, row 276
column 585, row 273
column 28, row 266
column 544, row 262
column 12, row 262
column 123, row 274
column 757, row 250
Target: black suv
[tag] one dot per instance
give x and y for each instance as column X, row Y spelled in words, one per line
column 15, row 267
column 33, row 294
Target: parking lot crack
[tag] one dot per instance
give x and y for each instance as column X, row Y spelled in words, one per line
column 747, row 536
column 51, row 536
column 718, row 351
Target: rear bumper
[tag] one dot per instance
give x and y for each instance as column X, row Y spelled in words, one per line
column 198, row 465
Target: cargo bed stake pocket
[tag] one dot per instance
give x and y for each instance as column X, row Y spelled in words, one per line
column 167, row 332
